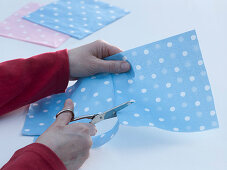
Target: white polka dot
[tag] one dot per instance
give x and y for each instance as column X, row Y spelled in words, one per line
column 176, row 129
column 74, row 104
column 59, row 101
column 169, row 44
column 95, row 94
column 82, row 89
column 168, row 85
column 146, row 52
column 100, row 24
column 172, row 109
column 26, row 130
column 146, row 110
column 124, row 58
column 136, row 115
column 35, row 104
column 197, row 103
column 161, row 60
column 187, row 118
column 143, row 90
column 99, row 17
column 141, row 77
column 93, row 77
column 182, row 94
column 138, row 67
column 41, row 124
column 130, row 81
column 207, row 87
column 161, row 119
column 202, row 128
column 56, row 27
column 86, row 109
column 184, row 53
column 41, row 15
column 125, row 122
column 69, row 13
column 69, row 7
column 153, row 76
column 56, row 14
column 109, row 99
column 132, row 100
column 119, row 92
column 200, row 62
column 158, row 99
column 193, row 37
column 102, row 135
column 106, row 82
column 151, row 124
column 45, row 111
column 176, row 69
column 192, row 78
column 212, row 113
column 31, row 116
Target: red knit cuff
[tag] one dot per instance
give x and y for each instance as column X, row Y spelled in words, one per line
column 63, row 74
column 46, row 154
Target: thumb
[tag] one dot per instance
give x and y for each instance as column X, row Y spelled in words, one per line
column 65, row 117
column 112, row 66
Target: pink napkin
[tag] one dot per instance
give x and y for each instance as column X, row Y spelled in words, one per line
column 18, row 28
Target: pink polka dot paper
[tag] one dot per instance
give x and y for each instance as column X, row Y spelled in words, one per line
column 18, row 28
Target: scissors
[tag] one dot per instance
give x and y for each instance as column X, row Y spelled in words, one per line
column 102, row 116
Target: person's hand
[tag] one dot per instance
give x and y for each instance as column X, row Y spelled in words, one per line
column 70, row 142
column 88, row 60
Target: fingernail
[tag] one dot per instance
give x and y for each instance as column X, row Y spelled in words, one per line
column 125, row 66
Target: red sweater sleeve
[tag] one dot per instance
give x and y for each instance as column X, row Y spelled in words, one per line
column 23, row 81
column 35, row 156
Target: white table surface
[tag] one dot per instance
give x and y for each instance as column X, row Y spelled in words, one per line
column 144, row 148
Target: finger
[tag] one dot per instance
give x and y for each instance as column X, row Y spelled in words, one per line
column 87, row 128
column 65, row 117
column 103, row 49
column 112, row 66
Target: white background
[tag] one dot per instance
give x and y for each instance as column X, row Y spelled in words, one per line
column 144, row 148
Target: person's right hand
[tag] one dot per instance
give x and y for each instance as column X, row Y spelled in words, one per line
column 70, row 142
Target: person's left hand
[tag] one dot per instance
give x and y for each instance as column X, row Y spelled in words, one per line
column 88, row 60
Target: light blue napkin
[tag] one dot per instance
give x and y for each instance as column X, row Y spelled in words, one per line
column 77, row 18
column 168, row 82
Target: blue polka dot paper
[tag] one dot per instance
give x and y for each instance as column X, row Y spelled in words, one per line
column 168, row 82
column 77, row 18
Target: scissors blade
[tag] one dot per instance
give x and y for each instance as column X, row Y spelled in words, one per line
column 110, row 113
